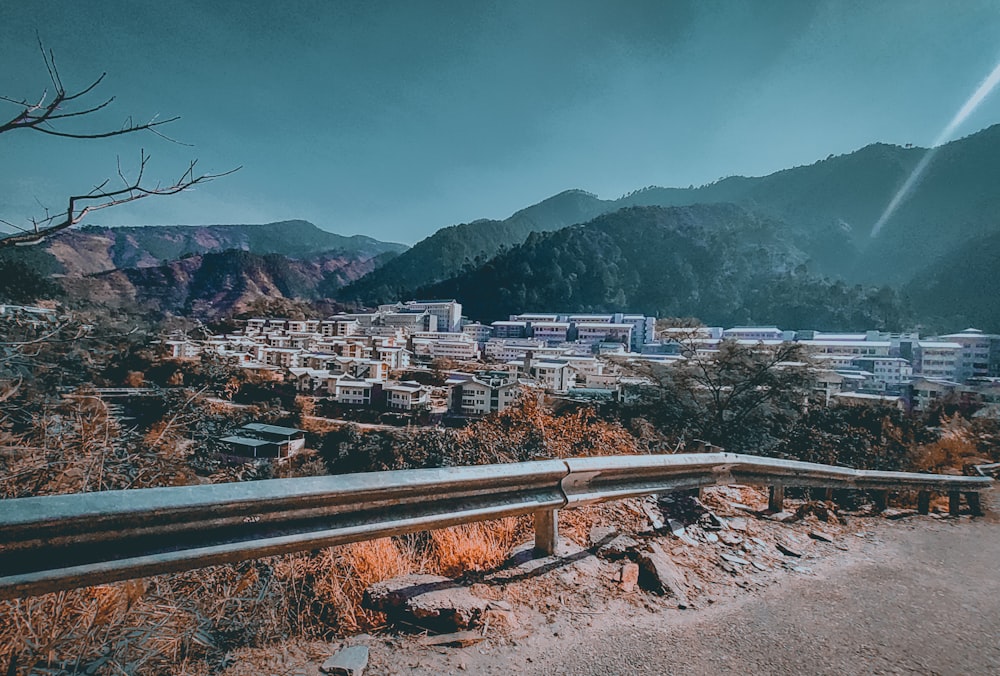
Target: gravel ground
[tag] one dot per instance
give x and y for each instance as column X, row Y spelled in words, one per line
column 918, row 596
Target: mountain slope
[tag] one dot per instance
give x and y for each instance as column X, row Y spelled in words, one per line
column 217, row 284
column 92, row 249
column 720, row 263
column 961, row 289
column 450, row 249
column 827, row 210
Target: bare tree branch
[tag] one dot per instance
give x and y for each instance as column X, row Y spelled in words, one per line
column 41, row 115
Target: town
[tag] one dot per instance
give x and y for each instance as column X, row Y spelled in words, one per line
column 355, row 359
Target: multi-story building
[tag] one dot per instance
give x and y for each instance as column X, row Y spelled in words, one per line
column 979, row 356
column 937, row 359
column 447, row 312
column 590, row 333
column 482, row 393
column 754, row 333
column 892, row 372
column 480, row 333
column 355, row 392
column 406, row 396
column 848, row 348
column 552, row 333
column 510, row 329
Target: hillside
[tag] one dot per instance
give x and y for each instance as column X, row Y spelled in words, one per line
column 92, row 249
column 827, row 210
column 451, row 249
column 216, row 284
column 961, row 289
column 721, row 263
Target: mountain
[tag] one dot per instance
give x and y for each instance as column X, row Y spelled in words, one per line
column 214, row 285
column 961, row 289
column 721, row 263
column 450, row 249
column 92, row 249
column 827, row 211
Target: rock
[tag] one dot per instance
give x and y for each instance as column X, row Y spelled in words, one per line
column 676, row 527
column 600, row 535
column 820, row 535
column 735, row 559
column 459, row 639
column 738, row 523
column 782, row 517
column 655, row 519
column 730, row 539
column 427, row 600
column 658, row 573
column 610, row 544
column 629, row 576
column 711, row 537
column 347, row 662
column 759, row 566
column 709, row 521
column 740, row 506
column 786, row 550
column 898, row 513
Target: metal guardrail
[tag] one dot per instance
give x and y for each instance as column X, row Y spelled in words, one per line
column 59, row 542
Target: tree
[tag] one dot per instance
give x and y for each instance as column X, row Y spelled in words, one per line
column 738, row 396
column 52, row 113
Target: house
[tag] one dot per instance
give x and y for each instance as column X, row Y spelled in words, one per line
column 289, row 439
column 406, row 396
column 356, row 392
column 182, row 349
column 250, row 448
column 262, row 441
column 483, row 393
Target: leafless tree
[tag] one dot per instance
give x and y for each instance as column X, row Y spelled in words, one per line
column 47, row 115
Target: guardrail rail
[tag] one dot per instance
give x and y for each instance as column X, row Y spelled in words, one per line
column 59, row 542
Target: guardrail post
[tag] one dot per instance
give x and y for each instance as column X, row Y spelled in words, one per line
column 924, row 502
column 881, row 500
column 546, row 531
column 974, row 505
column 954, row 503
column 776, row 498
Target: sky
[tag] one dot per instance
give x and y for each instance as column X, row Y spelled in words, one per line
column 394, row 119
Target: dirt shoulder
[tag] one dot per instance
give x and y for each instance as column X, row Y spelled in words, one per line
column 871, row 595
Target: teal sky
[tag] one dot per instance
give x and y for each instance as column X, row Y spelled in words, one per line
column 393, row 119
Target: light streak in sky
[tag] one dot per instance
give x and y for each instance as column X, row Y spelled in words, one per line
column 978, row 96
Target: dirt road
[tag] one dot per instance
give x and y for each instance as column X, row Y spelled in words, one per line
column 923, row 597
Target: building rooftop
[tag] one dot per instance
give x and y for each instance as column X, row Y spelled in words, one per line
column 271, row 429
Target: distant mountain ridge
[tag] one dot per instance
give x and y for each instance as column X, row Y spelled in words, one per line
column 828, row 209
column 717, row 262
column 94, row 249
column 218, row 284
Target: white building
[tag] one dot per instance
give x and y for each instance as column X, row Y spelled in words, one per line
column 406, row 396
column 937, row 359
column 481, row 394
column 890, row 371
column 979, row 352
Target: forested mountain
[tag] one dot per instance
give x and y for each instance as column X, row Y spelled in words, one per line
column 217, row 284
column 826, row 210
column 720, row 263
column 961, row 289
column 464, row 246
column 92, row 249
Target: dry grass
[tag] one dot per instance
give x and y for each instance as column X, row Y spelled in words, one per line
column 476, row 546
